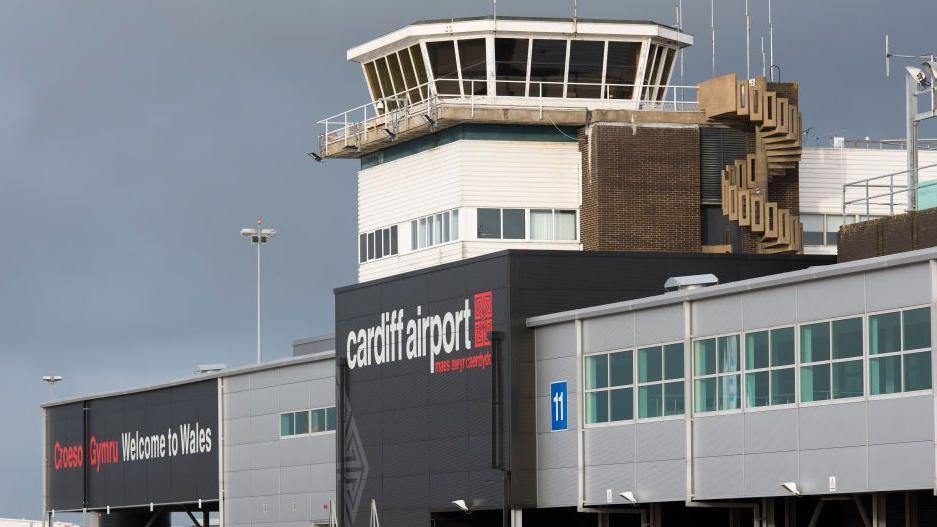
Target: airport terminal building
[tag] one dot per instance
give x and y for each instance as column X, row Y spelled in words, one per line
column 586, row 296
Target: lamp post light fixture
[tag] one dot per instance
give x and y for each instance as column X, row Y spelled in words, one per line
column 258, row 236
column 51, row 380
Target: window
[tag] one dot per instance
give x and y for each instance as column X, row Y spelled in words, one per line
column 547, row 68
column 305, row 422
column 586, row 58
column 823, row 229
column 552, row 224
column 445, row 69
column 813, row 229
column 608, row 387
column 506, row 224
column 831, row 360
column 474, row 71
column 621, row 68
column 715, row 370
column 434, row 229
column 511, row 65
column 660, row 381
column 769, row 367
column 377, row 244
column 899, row 351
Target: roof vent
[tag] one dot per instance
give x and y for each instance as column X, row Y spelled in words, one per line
column 202, row 369
column 685, row 283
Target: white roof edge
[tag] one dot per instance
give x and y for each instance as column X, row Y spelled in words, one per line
column 741, row 286
column 228, row 372
column 409, row 35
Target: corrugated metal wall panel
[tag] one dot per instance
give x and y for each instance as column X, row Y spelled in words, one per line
column 718, row 147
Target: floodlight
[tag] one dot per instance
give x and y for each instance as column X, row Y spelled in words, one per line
column 919, row 76
column 429, row 120
column 629, row 497
column 247, row 232
column 930, row 68
column 315, row 156
column 390, row 134
column 52, row 378
column 791, row 487
column 461, row 505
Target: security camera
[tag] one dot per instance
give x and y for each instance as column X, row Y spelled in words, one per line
column 919, row 76
column 791, row 487
column 629, row 497
column 461, row 505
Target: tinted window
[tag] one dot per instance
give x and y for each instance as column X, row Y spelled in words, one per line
column 489, row 223
column 621, row 68
column 442, row 62
column 514, row 224
column 472, row 58
column 511, row 65
column 585, row 69
column 547, row 66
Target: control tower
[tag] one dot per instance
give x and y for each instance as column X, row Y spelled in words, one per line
column 483, row 134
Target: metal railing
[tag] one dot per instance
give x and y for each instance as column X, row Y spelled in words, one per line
column 349, row 127
column 865, row 186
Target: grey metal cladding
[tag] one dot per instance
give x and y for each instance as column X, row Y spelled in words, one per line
column 718, row 477
column 297, row 396
column 609, row 445
column 769, row 308
column 295, row 507
column 719, row 435
column 771, row 430
column 543, row 413
column 899, row 287
column 608, row 333
column 265, row 378
column 714, row 316
column 765, row 472
column 557, row 487
column 297, row 478
column 237, row 404
column 830, row 297
column 661, row 440
column 265, row 400
column 901, row 420
column 265, row 509
column 660, row 480
column 237, row 457
column 832, row 425
column 901, row 466
column 555, row 341
column 237, row 383
column 657, row 325
column 265, row 428
column 265, row 455
column 554, row 370
column 237, row 431
column 265, row 481
column 848, row 465
column 237, row 484
column 323, row 369
column 238, row 510
column 599, row 479
column 557, row 450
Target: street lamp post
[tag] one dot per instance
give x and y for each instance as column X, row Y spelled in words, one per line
column 51, row 380
column 258, row 237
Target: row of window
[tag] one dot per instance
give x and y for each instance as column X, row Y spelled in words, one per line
column 823, row 229
column 377, row 244
column 434, row 229
column 831, row 365
column 511, row 224
column 397, row 75
column 305, row 422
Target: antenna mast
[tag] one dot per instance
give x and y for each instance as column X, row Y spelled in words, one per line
column 712, row 28
column 748, row 43
column 771, row 40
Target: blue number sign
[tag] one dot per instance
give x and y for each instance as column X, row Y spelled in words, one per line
column 559, row 404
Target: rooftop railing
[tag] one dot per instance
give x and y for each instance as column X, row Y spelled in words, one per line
column 348, row 128
column 865, row 187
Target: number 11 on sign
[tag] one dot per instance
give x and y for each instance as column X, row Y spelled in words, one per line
column 558, row 406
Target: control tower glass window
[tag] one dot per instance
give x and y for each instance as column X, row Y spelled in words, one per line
column 547, row 68
column 370, row 73
column 445, row 69
column 585, row 69
column 409, row 76
column 474, row 69
column 416, row 55
column 400, row 89
column 621, row 69
column 386, row 85
column 511, row 65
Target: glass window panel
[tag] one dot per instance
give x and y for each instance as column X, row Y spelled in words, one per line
column 729, row 392
column 815, row 342
column 728, row 353
column 409, row 76
column 846, row 338
column 650, row 364
column 704, row 358
column 454, row 225
column 414, row 236
column 916, row 324
column 622, row 408
column 474, row 71
column 302, row 422
column 362, row 248
column 446, row 229
column 884, row 333
column 370, row 73
column 385, row 233
column 673, row 361
column 387, row 86
column 782, row 346
column 815, row 383
column 782, row 386
column 541, row 224
column 547, row 68
column 650, row 69
column 650, row 401
column 445, row 70
column 511, row 65
column 756, row 350
column 596, row 371
column 673, row 398
column 286, row 424
column 422, row 236
column 917, row 374
column 885, row 374
column 514, row 224
column 378, row 244
column 621, row 68
column 833, row 223
column 437, row 229
column 847, row 379
column 597, row 407
column 565, row 221
column 318, row 420
column 813, row 228
column 370, row 246
column 757, row 392
column 417, row 56
column 397, row 76
column 393, row 240
column 489, row 223
column 330, row 418
column 706, row 396
column 620, row 369
column 585, row 69
column 669, row 55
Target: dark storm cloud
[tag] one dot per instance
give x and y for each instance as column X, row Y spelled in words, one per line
column 136, row 138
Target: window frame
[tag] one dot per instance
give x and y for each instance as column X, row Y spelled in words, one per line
column 663, row 380
column 863, row 358
column 449, row 221
column 794, row 366
column 308, row 412
column 528, row 237
column 868, row 356
column 608, row 389
column 377, row 235
column 740, row 372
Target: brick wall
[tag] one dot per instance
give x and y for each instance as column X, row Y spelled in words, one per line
column 640, row 189
column 889, row 235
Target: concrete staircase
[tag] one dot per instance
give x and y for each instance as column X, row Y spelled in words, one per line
column 775, row 123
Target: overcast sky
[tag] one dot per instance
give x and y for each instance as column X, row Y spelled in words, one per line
column 137, row 138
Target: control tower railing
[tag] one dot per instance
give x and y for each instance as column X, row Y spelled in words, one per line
column 349, row 129
column 872, row 200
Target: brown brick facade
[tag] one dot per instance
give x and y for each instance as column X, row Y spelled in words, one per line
column 889, row 235
column 640, row 188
